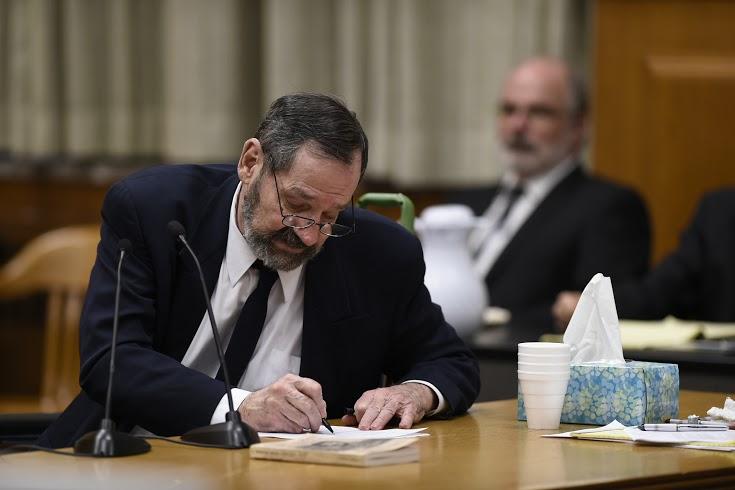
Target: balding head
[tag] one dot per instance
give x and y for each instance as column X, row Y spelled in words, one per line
column 541, row 116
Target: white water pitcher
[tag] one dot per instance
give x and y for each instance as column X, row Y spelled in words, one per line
column 450, row 276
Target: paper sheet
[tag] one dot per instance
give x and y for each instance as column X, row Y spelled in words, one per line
column 617, row 432
column 721, row 437
column 353, row 433
column 611, row 427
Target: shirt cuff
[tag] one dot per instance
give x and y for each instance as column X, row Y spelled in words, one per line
column 441, row 406
column 223, row 407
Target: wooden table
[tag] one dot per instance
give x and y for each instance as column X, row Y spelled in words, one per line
column 486, row 449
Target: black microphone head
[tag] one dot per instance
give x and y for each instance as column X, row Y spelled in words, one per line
column 176, row 229
column 125, row 245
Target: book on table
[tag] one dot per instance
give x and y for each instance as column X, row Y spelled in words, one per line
column 324, row 449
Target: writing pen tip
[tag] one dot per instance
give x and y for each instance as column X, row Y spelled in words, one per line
column 327, row 425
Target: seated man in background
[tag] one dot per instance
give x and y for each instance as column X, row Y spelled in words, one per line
column 342, row 294
column 549, row 225
column 695, row 282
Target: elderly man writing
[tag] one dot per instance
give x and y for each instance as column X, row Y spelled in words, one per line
column 340, row 294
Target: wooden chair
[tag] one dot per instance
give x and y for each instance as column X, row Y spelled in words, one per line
column 57, row 263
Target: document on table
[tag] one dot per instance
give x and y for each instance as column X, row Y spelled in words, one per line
column 670, row 332
column 617, row 432
column 353, row 433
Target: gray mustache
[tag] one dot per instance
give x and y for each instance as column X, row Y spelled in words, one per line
column 521, row 144
column 290, row 238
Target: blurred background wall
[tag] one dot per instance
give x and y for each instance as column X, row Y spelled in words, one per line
column 187, row 80
column 92, row 89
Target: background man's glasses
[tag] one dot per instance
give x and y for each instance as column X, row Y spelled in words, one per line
column 300, row 222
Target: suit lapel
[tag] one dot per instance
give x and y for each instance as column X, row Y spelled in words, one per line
column 530, row 231
column 208, row 239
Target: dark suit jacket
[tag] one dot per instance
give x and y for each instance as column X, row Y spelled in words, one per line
column 584, row 225
column 697, row 281
column 366, row 310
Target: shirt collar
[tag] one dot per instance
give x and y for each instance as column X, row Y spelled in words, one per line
column 239, row 257
column 541, row 184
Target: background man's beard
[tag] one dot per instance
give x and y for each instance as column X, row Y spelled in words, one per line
column 529, row 159
column 263, row 245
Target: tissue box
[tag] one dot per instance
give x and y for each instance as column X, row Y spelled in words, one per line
column 637, row 393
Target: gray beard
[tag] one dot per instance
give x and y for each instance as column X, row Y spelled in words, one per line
column 262, row 243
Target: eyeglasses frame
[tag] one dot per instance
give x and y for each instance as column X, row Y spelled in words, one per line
column 311, row 220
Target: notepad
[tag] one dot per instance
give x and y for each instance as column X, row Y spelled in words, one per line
column 670, row 332
column 324, row 449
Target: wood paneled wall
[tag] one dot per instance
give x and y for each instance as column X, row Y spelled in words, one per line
column 664, row 103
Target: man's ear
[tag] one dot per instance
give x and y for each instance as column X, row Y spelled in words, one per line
column 251, row 161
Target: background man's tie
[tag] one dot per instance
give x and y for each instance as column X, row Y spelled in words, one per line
column 249, row 325
column 513, row 196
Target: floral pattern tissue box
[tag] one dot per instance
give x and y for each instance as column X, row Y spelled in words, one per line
column 637, row 393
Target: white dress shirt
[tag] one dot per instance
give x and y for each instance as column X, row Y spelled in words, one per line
column 278, row 351
column 489, row 239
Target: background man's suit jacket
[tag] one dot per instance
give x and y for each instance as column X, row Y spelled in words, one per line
column 366, row 310
column 584, row 225
column 697, row 281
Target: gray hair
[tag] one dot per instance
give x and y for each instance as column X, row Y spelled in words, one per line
column 321, row 121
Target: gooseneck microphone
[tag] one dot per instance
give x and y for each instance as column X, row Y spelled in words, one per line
column 107, row 442
column 233, row 433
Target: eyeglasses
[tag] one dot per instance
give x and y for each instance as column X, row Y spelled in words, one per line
column 300, row 222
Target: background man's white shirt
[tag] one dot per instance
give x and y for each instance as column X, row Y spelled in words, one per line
column 489, row 239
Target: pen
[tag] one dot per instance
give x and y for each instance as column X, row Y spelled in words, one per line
column 681, row 427
column 326, row 424
column 703, row 423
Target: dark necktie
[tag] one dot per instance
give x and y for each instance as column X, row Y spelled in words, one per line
column 513, row 195
column 249, row 325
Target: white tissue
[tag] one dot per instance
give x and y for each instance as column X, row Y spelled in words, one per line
column 593, row 333
column 727, row 412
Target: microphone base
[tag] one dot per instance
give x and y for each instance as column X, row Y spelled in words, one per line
column 109, row 443
column 232, row 434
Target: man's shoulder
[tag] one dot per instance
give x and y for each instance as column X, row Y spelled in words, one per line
column 373, row 226
column 721, row 197
column 173, row 181
column 602, row 189
column 376, row 235
column 717, row 206
column 213, row 174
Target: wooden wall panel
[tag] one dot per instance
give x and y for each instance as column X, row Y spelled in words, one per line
column 664, row 103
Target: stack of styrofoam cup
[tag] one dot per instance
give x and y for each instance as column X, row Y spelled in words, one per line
column 543, row 375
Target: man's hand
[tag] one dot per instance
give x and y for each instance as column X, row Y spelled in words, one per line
column 291, row 404
column 563, row 308
column 375, row 408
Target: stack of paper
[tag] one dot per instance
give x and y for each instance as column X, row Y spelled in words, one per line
column 670, row 332
column 616, row 432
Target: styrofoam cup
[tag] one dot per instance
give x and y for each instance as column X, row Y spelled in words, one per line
column 544, row 387
column 543, row 368
column 543, row 348
column 543, row 418
column 544, row 358
column 543, row 400
column 534, row 376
